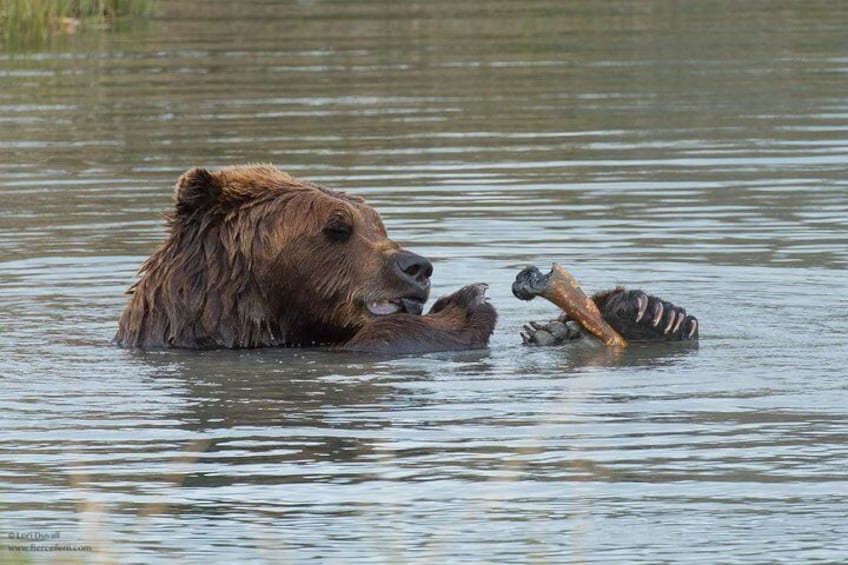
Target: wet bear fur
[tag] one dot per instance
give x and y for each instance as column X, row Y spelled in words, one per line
column 255, row 257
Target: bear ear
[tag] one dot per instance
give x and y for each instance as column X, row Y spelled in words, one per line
column 196, row 190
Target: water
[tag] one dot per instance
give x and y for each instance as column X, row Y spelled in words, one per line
column 696, row 150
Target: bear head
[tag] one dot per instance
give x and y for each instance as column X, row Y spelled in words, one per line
column 256, row 257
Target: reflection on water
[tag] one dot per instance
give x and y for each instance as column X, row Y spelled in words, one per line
column 697, row 151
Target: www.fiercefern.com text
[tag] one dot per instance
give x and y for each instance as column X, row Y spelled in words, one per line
column 40, row 541
column 33, row 547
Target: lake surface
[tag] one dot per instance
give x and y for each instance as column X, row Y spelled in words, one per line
column 698, row 150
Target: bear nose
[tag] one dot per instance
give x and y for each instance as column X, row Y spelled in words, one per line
column 414, row 268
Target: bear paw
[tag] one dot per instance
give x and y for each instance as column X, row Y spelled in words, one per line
column 468, row 298
column 554, row 332
column 458, row 321
column 638, row 316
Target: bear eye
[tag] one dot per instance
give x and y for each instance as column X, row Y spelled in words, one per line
column 338, row 229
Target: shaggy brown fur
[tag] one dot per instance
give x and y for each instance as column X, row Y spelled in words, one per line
column 462, row 320
column 255, row 257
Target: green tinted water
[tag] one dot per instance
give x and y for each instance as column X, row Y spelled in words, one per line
column 696, row 150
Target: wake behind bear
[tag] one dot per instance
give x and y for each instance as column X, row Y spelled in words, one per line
column 256, row 258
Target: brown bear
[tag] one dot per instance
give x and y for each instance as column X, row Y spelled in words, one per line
column 255, row 257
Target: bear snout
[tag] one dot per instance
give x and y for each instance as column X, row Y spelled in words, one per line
column 413, row 269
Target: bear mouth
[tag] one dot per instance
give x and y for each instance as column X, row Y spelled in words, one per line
column 394, row 306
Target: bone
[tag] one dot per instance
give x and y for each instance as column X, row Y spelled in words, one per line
column 562, row 289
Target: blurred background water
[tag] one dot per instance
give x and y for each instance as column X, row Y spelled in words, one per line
column 697, row 150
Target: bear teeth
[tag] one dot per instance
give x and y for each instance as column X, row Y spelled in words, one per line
column 384, row 308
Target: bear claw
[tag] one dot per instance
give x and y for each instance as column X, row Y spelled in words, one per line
column 694, row 328
column 658, row 314
column 672, row 318
column 681, row 316
column 642, row 302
